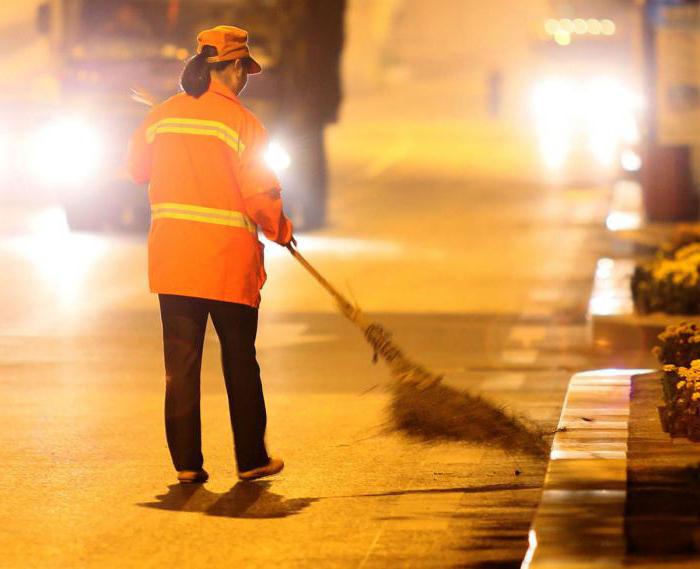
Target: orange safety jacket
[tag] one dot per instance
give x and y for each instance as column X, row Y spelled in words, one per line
column 209, row 191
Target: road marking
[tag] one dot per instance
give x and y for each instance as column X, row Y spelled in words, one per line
column 527, row 335
column 283, row 334
column 504, row 381
column 537, row 311
column 519, row 357
column 545, row 295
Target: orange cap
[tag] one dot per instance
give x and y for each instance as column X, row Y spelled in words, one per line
column 230, row 43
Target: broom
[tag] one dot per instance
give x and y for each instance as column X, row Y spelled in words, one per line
column 426, row 409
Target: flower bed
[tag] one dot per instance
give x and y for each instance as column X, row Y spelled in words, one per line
column 679, row 354
column 670, row 282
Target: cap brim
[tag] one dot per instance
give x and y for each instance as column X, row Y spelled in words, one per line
column 253, row 67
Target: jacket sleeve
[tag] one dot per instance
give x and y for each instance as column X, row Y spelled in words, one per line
column 139, row 155
column 260, row 188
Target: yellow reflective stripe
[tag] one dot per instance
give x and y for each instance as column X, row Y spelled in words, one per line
column 199, row 127
column 240, row 223
column 194, row 208
column 202, row 215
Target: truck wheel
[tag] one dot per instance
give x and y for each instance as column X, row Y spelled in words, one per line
column 80, row 219
column 135, row 218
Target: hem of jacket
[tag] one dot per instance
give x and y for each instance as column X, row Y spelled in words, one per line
column 193, row 294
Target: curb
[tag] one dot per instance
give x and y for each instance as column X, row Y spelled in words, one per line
column 579, row 522
column 612, row 321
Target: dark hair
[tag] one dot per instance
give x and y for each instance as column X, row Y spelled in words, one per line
column 196, row 76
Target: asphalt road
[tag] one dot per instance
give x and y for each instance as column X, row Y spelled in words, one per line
column 440, row 229
column 483, row 279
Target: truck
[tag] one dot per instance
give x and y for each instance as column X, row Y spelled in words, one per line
column 104, row 49
column 587, row 97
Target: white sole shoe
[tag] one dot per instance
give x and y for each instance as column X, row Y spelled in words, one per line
column 275, row 466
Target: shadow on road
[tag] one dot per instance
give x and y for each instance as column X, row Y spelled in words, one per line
column 251, row 500
column 460, row 490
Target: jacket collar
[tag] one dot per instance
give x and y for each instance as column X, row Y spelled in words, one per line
column 219, row 88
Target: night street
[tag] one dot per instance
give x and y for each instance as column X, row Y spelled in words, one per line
column 472, row 171
column 494, row 295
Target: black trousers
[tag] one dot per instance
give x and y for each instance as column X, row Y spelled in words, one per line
column 184, row 326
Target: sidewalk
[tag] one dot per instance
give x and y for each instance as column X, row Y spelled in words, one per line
column 635, row 501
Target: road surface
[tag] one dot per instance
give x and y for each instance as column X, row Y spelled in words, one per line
column 440, row 229
column 480, row 277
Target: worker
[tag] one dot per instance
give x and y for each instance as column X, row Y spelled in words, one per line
column 210, row 191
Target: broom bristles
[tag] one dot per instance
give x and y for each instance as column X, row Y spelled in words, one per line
column 440, row 412
column 424, row 408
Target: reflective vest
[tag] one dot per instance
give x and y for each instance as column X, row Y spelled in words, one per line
column 210, row 191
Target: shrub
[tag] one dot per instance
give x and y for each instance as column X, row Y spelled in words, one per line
column 679, row 354
column 680, row 345
column 670, row 282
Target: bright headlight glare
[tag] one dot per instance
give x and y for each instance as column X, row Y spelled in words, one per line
column 66, row 152
column 630, row 161
column 4, row 153
column 603, row 109
column 552, row 101
column 611, row 118
column 277, row 157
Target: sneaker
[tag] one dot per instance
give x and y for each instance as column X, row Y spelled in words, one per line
column 273, row 467
column 192, row 476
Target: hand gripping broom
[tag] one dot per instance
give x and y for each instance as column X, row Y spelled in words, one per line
column 422, row 406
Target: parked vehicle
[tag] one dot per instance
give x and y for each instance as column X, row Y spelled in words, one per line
column 104, row 48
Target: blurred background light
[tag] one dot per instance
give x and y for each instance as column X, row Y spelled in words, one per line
column 552, row 100
column 594, row 26
column 4, row 154
column 567, row 25
column 580, row 26
column 630, row 161
column 623, row 221
column 66, row 151
column 607, row 109
column 562, row 37
column 552, row 26
column 560, row 29
column 608, row 27
column 598, row 114
column 168, row 50
column 277, row 157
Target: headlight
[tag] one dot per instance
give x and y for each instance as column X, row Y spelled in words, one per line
column 4, row 154
column 612, row 120
column 630, row 161
column 277, row 157
column 606, row 109
column 553, row 101
column 66, row 152
column 602, row 109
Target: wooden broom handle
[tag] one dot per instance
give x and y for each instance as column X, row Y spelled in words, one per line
column 318, row 276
